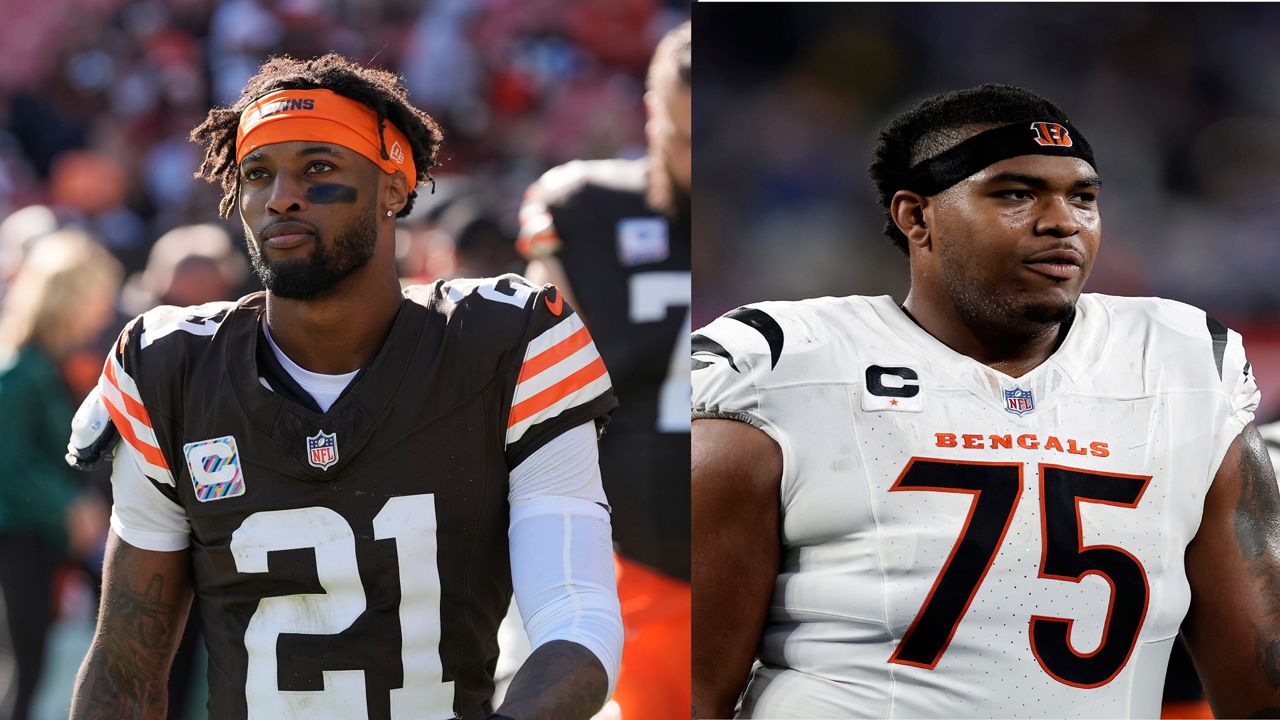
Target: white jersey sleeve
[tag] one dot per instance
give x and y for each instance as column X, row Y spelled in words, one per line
column 140, row 514
column 113, row 421
column 731, row 358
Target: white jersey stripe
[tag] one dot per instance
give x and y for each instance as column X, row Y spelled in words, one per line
column 135, row 430
column 553, row 336
column 584, row 356
column 583, row 395
column 180, row 319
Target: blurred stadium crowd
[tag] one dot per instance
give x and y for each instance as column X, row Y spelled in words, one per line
column 100, row 218
column 1180, row 103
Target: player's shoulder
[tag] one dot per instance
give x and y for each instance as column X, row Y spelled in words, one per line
column 496, row 311
column 497, row 298
column 1173, row 335
column 792, row 340
column 1151, row 312
column 171, row 333
column 580, row 179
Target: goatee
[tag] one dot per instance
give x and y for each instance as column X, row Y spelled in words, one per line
column 321, row 270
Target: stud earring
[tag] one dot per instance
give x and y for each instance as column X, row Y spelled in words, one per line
column 390, row 213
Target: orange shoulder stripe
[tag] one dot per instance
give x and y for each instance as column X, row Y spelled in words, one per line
column 131, row 404
column 532, row 406
column 554, row 354
column 150, row 452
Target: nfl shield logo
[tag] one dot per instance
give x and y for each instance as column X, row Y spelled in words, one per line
column 1019, row 401
column 322, row 449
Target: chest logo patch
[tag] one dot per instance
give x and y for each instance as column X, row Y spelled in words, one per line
column 1019, row 401
column 642, row 240
column 215, row 468
column 892, row 388
column 322, row 449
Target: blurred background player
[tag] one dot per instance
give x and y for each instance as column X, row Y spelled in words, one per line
column 613, row 235
column 60, row 300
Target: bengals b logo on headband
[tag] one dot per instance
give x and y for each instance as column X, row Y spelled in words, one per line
column 1051, row 134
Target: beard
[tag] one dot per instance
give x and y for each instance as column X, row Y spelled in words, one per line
column 983, row 308
column 320, row 271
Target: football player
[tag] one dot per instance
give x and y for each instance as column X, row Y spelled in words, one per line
column 1000, row 498
column 351, row 477
column 613, row 235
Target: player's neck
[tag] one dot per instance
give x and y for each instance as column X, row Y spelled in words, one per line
column 342, row 330
column 1012, row 350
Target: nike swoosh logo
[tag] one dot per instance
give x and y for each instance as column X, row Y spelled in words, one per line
column 556, row 307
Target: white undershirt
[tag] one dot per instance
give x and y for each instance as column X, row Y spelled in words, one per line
column 324, row 389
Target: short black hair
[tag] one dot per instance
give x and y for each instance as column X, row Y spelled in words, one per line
column 938, row 123
column 379, row 89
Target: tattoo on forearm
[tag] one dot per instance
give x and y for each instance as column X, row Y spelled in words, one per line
column 1256, row 517
column 122, row 675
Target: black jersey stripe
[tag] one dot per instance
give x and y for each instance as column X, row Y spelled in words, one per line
column 702, row 343
column 762, row 323
column 1218, row 333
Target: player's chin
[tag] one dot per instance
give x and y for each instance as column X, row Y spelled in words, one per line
column 1056, row 306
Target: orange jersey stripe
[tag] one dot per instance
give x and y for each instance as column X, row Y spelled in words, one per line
column 135, row 408
column 545, row 399
column 148, row 451
column 554, row 354
column 538, row 244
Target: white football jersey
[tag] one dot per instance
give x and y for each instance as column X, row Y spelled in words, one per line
column 961, row 543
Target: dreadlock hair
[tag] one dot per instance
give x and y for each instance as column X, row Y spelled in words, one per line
column 939, row 123
column 381, row 90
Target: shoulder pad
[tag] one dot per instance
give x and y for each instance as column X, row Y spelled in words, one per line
column 483, row 313
column 164, row 320
column 1182, row 336
column 750, row 328
column 93, row 434
column 731, row 356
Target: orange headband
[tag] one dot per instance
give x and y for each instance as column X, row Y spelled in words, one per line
column 323, row 116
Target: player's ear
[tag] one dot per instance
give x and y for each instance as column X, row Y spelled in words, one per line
column 907, row 209
column 395, row 193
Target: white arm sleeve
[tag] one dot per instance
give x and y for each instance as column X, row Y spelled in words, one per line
column 562, row 549
column 140, row 514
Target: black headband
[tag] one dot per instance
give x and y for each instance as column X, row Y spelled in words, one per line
column 938, row 173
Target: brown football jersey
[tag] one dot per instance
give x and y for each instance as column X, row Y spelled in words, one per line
column 629, row 268
column 353, row 563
